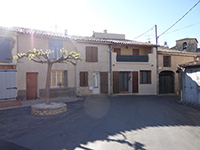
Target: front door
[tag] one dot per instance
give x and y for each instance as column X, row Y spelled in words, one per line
column 104, row 82
column 31, row 85
column 123, row 81
column 135, row 82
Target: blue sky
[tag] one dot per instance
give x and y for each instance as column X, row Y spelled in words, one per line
column 129, row 17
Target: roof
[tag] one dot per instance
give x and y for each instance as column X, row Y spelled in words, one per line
column 110, row 41
column 188, row 39
column 162, row 50
column 34, row 32
column 195, row 63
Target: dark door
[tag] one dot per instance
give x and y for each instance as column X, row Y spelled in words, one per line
column 166, row 82
column 104, row 82
column 135, row 82
column 31, row 85
column 123, row 81
column 115, row 82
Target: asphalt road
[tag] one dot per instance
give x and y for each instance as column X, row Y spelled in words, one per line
column 105, row 123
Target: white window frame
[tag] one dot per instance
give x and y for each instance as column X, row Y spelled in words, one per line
column 57, row 80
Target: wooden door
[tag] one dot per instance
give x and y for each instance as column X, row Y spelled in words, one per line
column 135, row 82
column 104, row 82
column 31, row 85
column 115, row 82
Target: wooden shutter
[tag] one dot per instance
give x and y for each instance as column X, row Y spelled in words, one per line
column 149, row 77
column 66, row 78
column 135, row 51
column 88, row 54
column 83, row 78
column 5, row 52
column 135, row 82
column 104, row 82
column 94, row 54
column 115, row 82
column 117, row 50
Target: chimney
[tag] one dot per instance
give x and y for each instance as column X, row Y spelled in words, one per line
column 105, row 31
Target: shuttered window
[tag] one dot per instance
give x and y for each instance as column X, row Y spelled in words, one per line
column 145, row 77
column 91, row 54
column 166, row 61
column 5, row 53
column 83, row 79
column 59, row 79
column 117, row 50
column 55, row 47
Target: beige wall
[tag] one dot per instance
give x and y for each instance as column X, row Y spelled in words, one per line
column 128, row 50
column 101, row 66
column 175, row 60
column 24, row 65
column 144, row 89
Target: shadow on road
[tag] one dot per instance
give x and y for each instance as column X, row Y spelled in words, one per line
column 97, row 118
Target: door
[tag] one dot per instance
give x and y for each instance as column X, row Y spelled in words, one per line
column 123, row 81
column 135, row 82
column 115, row 82
column 8, row 86
column 31, row 85
column 104, row 82
column 96, row 85
column 166, row 82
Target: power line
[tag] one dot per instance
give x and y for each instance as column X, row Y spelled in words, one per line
column 179, row 19
column 144, row 32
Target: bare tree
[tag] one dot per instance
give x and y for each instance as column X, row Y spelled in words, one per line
column 43, row 57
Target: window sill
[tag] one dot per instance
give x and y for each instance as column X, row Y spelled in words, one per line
column 58, row 88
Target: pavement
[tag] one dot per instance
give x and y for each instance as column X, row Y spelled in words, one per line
column 105, row 122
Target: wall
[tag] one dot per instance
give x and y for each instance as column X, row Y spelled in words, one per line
column 101, row 66
column 191, row 45
column 144, row 89
column 175, row 60
column 25, row 43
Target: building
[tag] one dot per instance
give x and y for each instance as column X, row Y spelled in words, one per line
column 186, row 44
column 113, row 64
column 168, row 59
column 189, row 82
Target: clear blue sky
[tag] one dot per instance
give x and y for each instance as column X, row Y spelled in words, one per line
column 129, row 17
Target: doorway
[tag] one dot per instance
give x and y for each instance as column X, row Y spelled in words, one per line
column 31, row 85
column 123, row 81
column 166, row 82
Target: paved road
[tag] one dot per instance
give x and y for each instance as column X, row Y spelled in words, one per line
column 101, row 123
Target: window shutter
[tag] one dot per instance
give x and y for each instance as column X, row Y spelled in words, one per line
column 95, row 54
column 88, row 54
column 86, row 78
column 117, row 50
column 5, row 49
column 66, row 78
column 136, row 52
column 149, row 77
column 83, row 78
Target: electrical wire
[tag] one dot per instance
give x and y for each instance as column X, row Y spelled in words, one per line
column 144, row 32
column 179, row 19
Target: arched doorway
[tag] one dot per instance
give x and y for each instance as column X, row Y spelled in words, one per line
column 166, row 82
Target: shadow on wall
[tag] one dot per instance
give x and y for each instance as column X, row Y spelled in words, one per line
column 97, row 119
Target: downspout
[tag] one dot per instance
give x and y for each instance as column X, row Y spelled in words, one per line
column 110, row 69
column 157, row 75
column 76, row 72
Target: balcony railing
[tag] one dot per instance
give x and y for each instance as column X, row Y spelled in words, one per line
column 132, row 58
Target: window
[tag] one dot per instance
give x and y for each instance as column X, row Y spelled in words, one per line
column 145, row 77
column 184, row 46
column 91, row 54
column 136, row 52
column 55, row 46
column 117, row 50
column 83, row 79
column 166, row 61
column 59, row 79
column 5, row 53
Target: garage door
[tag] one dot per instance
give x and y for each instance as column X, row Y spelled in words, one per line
column 8, row 86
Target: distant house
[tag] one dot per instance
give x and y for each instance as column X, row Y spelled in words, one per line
column 8, row 72
column 168, row 59
column 189, row 82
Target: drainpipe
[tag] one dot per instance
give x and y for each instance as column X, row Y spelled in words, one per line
column 157, row 76
column 110, row 69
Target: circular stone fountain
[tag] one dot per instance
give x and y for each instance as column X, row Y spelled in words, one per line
column 51, row 109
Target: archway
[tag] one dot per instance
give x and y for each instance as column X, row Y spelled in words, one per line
column 166, row 82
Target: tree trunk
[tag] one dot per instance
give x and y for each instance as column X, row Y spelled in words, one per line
column 47, row 100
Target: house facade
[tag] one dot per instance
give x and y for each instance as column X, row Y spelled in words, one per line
column 189, row 82
column 168, row 59
column 114, row 65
